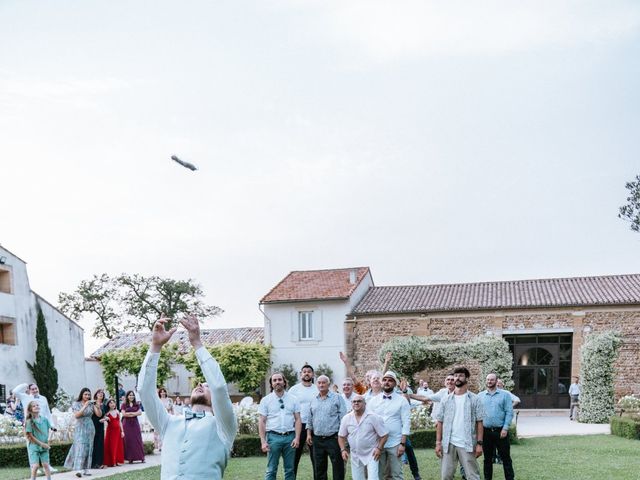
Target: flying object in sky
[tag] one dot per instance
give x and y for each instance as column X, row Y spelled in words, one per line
column 188, row 165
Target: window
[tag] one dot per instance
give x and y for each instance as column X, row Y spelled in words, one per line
column 5, row 281
column 305, row 325
column 7, row 331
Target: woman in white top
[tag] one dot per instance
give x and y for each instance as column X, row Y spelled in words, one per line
column 167, row 403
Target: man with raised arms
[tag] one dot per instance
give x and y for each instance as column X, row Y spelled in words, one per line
column 198, row 444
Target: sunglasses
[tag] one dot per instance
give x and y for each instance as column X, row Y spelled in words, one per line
column 356, row 401
column 281, row 402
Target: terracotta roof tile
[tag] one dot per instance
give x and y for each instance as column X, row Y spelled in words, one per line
column 553, row 292
column 210, row 337
column 316, row 285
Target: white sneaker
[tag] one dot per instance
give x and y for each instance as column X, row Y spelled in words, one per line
column 53, row 470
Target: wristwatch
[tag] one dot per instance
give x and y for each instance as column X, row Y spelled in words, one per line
column 403, row 444
column 479, row 442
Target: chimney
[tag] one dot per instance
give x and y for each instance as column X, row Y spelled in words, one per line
column 353, row 274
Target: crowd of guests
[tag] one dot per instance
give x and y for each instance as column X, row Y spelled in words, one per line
column 106, row 433
column 368, row 425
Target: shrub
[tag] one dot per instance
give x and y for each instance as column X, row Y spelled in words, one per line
column 248, row 418
column 625, row 427
column 247, row 446
column 597, row 374
column 16, row 455
column 420, row 419
column 423, row 438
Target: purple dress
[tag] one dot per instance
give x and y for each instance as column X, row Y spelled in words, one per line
column 133, row 447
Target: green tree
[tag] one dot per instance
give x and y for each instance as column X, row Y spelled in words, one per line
column 631, row 211
column 245, row 364
column 324, row 369
column 44, row 369
column 130, row 360
column 132, row 303
column 411, row 355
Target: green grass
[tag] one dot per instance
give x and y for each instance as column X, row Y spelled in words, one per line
column 567, row 458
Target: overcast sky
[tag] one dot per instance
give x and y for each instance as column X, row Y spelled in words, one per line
column 435, row 142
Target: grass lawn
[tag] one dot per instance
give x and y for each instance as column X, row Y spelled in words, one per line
column 552, row 458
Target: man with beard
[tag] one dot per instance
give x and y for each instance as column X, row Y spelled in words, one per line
column 279, row 427
column 498, row 415
column 327, row 410
column 305, row 391
column 198, row 444
column 459, row 430
column 394, row 410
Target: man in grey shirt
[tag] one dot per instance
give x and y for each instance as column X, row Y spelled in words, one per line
column 327, row 410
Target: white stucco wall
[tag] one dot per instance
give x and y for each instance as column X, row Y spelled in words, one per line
column 281, row 331
column 65, row 336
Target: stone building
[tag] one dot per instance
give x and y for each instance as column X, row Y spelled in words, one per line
column 544, row 321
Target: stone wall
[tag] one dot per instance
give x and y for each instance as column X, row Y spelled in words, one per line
column 366, row 335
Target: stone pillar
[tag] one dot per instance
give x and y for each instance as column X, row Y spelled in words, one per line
column 578, row 337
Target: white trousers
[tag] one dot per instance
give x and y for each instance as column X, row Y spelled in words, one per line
column 357, row 469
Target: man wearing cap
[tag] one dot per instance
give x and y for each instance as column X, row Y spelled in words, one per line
column 394, row 410
column 279, row 427
column 326, row 412
column 366, row 433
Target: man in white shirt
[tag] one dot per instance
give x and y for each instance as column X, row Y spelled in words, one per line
column 574, row 394
column 366, row 433
column 198, row 444
column 394, row 410
column 347, row 393
column 305, row 391
column 28, row 392
column 438, row 397
column 423, row 388
column 279, row 427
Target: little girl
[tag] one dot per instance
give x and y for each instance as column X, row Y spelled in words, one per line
column 37, row 430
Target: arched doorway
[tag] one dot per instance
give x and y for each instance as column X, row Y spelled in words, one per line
column 541, row 367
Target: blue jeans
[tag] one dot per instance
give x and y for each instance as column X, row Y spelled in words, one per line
column 280, row 445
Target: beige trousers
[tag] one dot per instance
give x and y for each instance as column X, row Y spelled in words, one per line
column 468, row 461
column 390, row 466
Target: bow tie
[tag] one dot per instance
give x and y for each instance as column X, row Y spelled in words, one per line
column 386, row 397
column 188, row 415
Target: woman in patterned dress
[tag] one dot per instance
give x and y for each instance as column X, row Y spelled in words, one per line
column 79, row 457
column 168, row 405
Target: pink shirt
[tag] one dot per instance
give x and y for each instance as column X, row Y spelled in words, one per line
column 363, row 437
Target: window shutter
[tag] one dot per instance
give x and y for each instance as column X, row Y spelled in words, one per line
column 317, row 325
column 294, row 326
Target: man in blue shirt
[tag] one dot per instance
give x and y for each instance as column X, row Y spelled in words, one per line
column 498, row 415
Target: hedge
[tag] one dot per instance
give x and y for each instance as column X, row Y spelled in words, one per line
column 625, row 427
column 249, row 445
column 16, row 455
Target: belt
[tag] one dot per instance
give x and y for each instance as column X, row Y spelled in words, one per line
column 281, row 433
column 493, row 429
column 324, row 437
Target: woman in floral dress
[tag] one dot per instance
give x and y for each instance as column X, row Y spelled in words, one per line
column 79, row 457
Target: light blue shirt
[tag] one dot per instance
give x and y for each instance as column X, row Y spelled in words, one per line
column 498, row 408
column 281, row 420
column 196, row 448
column 326, row 414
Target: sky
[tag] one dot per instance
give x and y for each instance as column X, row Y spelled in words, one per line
column 435, row 142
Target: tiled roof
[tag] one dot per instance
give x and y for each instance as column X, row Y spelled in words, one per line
column 554, row 292
column 316, row 285
column 217, row 336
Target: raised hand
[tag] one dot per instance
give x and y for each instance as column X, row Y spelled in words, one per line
column 191, row 324
column 160, row 335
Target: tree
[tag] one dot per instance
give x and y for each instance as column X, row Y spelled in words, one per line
column 132, row 303
column 130, row 360
column 631, row 211
column 245, row 364
column 324, row 369
column 44, row 368
column 411, row 355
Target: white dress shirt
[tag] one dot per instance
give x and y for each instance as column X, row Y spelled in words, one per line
column 281, row 420
column 362, row 437
column 395, row 412
column 21, row 392
column 196, row 448
column 347, row 401
column 305, row 396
